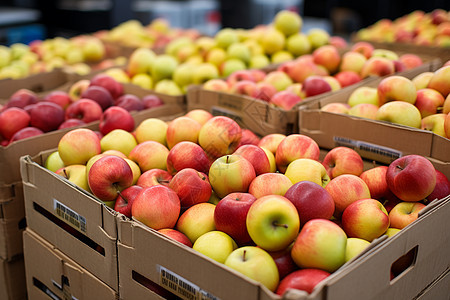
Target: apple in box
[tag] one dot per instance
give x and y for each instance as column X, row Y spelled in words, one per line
column 256, row 156
column 346, row 78
column 75, row 174
column 151, row 101
column 78, row 146
column 99, row 95
column 269, row 184
column 196, row 221
column 216, row 245
column 154, row 177
column 129, row 102
column 12, row 120
column 107, row 82
column 176, row 235
column 86, row 110
column 396, row 88
column 306, row 169
column 69, row 123
column 191, row 186
column 150, row 155
column 22, row 98
column 271, row 141
column 182, row 129
column 441, row 189
column 187, row 155
column 343, row 160
column 404, row 213
column 304, row 280
column 199, row 115
column 295, row 146
column 116, row 117
column 125, row 199
column 46, row 116
column 24, row 133
column 59, row 97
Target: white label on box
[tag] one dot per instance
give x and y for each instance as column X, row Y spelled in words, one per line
column 69, row 216
column 180, row 286
column 367, row 147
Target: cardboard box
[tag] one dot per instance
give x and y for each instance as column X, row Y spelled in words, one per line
column 438, row 289
column 51, row 274
column 12, row 279
column 12, row 220
column 148, row 261
column 377, row 140
column 71, row 219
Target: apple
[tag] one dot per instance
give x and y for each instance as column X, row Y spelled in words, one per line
column 216, row 245
column 396, row 88
column 58, row 97
column 99, row 95
column 248, row 138
column 404, row 214
column 327, row 56
column 256, row 264
column 191, row 186
column 69, row 123
column 256, row 156
column 365, row 219
column 439, row 81
column 54, row 162
column 320, row 245
column 441, row 189
column 315, row 85
column 85, row 110
column 377, row 66
column 429, row 101
column 447, row 126
column 343, row 160
column 411, row 178
column 333, row 82
column 339, row 42
column 346, row 78
column 389, row 54
column 176, row 235
column 295, row 146
column 75, row 174
column 411, row 60
column 336, row 107
column 25, row 133
column 107, row 82
column 391, row 232
column 285, row 100
column 187, row 155
column 363, row 94
column 288, row 22
column 150, row 155
column 219, row 136
column 78, row 146
column 218, row 85
column 400, row 112
column 231, row 173
column 157, row 207
column 46, row 116
column 154, row 177
column 109, row 175
column 311, row 200
column 446, row 105
column 140, row 61
column 306, row 169
column 421, row 81
column 196, row 221
column 434, row 123
column 272, row 41
column 245, row 87
column 271, row 141
column 231, row 65
column 273, row 222
column 364, row 110
column 283, row 260
column 199, row 115
column 346, row 189
column 12, row 120
column 352, row 61
column 22, row 98
column 354, row 247
column 365, row 48
column 77, row 89
column 151, row 101
column 230, row 216
column 318, row 37
column 302, row 68
column 120, row 140
column 182, row 129
column 115, row 117
column 375, row 179
column 129, row 102
column 280, row 80
column 125, row 199
column 269, row 184
column 304, row 280
column 152, row 129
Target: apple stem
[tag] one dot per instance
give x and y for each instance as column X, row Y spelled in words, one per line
column 276, row 224
column 399, row 167
column 243, row 255
column 227, row 158
column 120, row 194
column 163, row 181
column 65, row 173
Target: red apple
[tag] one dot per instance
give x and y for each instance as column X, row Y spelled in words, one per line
column 69, row 123
column 283, row 260
column 22, row 98
column 311, row 200
column 375, row 179
column 442, row 188
column 86, row 110
column 248, row 138
column 12, row 120
column 191, row 186
column 25, row 133
column 256, row 156
column 187, row 155
column 116, row 117
column 269, row 184
column 230, row 216
column 151, row 101
column 99, row 95
column 295, row 146
column 404, row 213
column 327, row 56
column 59, row 97
column 428, row 102
column 157, row 207
column 347, row 78
column 176, row 235
column 125, row 200
column 154, row 177
column 315, row 85
column 46, row 116
column 304, row 280
column 364, row 48
column 411, row 60
column 129, row 102
column 343, row 160
column 114, row 87
column 411, row 177
column 285, row 99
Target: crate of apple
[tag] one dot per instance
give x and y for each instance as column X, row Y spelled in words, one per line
column 101, row 99
column 421, row 102
column 277, row 208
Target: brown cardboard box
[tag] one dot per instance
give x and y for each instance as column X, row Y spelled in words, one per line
column 149, row 261
column 71, row 219
column 438, row 289
column 12, row 279
column 12, row 220
column 52, row 275
column 380, row 141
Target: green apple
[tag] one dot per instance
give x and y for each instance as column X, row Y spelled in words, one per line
column 281, row 56
column 273, row 41
column 145, row 81
column 118, row 139
column 54, row 162
column 390, row 232
column 400, row 112
column 231, row 65
column 273, row 222
column 225, row 37
column 215, row 244
column 163, row 67
column 204, row 72
column 363, row 94
column 354, row 247
column 140, row 61
column 152, row 129
column 256, row 264
column 391, row 55
column 318, row 37
column 169, row 87
column 239, row 51
column 216, row 56
column 259, row 61
column 75, row 174
column 307, row 169
column 288, row 22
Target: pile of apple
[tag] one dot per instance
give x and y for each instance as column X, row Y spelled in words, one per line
column 422, row 102
column 323, row 71
column 193, row 61
column 100, row 99
column 418, row 27
column 268, row 208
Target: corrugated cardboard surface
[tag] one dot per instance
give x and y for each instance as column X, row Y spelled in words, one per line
column 438, row 289
column 86, row 232
column 12, row 220
column 12, row 280
column 379, row 139
column 51, row 273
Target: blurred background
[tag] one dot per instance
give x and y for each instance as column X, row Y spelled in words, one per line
column 27, row 20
